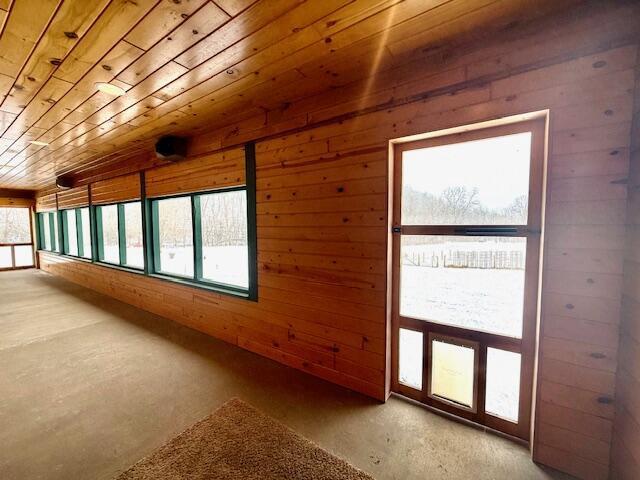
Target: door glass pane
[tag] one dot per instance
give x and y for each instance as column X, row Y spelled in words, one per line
column 481, row 182
column 55, row 240
column 86, row 232
column 175, row 236
column 15, row 225
column 452, row 372
column 46, row 232
column 468, row 282
column 72, row 232
column 410, row 358
column 24, row 255
column 225, row 249
column 5, row 257
column 503, row 384
column 110, row 240
column 133, row 233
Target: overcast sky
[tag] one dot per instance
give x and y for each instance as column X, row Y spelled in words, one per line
column 498, row 167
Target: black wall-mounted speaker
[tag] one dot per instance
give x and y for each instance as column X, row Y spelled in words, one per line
column 171, row 148
column 64, row 182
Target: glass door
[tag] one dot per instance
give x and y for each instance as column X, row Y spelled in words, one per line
column 16, row 242
column 466, row 243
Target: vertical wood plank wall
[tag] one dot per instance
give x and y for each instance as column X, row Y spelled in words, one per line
column 322, row 225
column 626, row 441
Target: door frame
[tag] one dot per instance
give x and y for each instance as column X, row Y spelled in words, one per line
column 533, row 232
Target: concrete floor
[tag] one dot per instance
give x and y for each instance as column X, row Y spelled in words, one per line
column 89, row 385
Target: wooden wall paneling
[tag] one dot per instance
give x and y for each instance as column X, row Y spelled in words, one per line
column 118, row 189
column 16, row 202
column 73, row 198
column 209, row 172
column 46, row 203
column 626, row 451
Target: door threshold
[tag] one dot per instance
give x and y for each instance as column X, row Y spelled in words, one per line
column 463, row 421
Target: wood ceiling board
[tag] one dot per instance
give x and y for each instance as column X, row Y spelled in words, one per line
column 251, row 20
column 166, row 16
column 291, row 23
column 115, row 61
column 52, row 92
column 275, row 51
column 21, row 33
column 114, row 23
column 194, row 29
column 283, row 50
column 72, row 18
column 234, row 7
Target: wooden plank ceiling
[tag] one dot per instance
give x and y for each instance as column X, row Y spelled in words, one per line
column 189, row 65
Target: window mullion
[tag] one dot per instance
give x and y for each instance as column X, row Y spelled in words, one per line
column 52, row 234
column 155, row 228
column 94, row 237
column 79, row 232
column 99, row 235
column 122, row 236
column 196, row 223
column 65, row 232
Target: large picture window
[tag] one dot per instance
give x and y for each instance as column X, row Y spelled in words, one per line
column 119, row 234
column 76, row 232
column 48, row 231
column 203, row 238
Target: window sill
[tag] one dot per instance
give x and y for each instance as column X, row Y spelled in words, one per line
column 203, row 286
column 119, row 267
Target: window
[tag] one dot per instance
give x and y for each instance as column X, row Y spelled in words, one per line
column 108, row 236
column 48, row 231
column 224, row 238
column 16, row 248
column 119, row 234
column 175, row 236
column 203, row 238
column 85, row 238
column 76, row 232
column 133, row 235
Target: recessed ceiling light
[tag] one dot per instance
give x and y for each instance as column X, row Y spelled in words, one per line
column 38, row 143
column 110, row 89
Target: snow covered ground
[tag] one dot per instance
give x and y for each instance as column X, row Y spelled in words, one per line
column 228, row 264
column 487, row 300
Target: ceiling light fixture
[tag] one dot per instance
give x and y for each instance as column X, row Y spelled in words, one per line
column 110, row 89
column 38, row 143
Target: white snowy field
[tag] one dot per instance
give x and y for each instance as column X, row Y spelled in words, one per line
column 225, row 264
column 480, row 299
